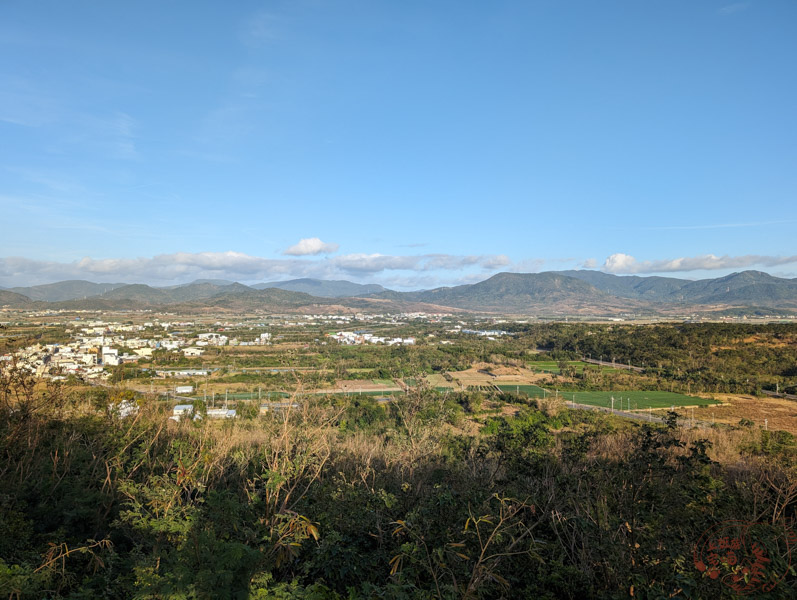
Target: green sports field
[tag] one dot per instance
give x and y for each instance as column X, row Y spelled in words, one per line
column 632, row 400
column 628, row 400
column 532, row 391
column 384, row 382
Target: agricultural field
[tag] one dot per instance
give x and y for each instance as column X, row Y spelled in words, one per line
column 485, row 375
column 366, row 386
column 552, row 366
column 532, row 391
column 438, row 382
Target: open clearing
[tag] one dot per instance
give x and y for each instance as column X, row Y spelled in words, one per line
column 479, row 376
column 778, row 412
column 348, row 386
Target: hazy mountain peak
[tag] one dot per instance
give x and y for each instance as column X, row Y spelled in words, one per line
column 323, row 288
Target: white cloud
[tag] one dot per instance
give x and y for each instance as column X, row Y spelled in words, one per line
column 620, row 263
column 372, row 263
column 590, row 263
column 165, row 269
column 625, row 264
column 311, row 247
column 529, row 265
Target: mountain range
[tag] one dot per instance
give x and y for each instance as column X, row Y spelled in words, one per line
column 553, row 292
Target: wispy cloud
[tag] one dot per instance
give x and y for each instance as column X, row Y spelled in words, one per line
column 375, row 263
column 114, row 135
column 260, row 29
column 736, row 7
column 311, row 247
column 26, row 104
column 52, row 180
column 723, row 225
column 529, row 265
column 625, row 264
column 119, row 133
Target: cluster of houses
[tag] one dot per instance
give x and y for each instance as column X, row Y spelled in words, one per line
column 96, row 345
column 382, row 319
column 353, row 338
column 186, row 411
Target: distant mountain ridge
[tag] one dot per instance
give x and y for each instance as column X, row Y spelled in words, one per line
column 515, row 292
column 552, row 292
column 9, row 298
column 744, row 287
column 65, row 290
column 324, row 288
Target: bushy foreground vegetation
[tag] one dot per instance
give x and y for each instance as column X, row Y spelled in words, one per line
column 362, row 500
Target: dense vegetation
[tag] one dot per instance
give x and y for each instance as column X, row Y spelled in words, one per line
column 362, row 500
column 705, row 357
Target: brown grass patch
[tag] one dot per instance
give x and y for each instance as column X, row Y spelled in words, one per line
column 779, row 413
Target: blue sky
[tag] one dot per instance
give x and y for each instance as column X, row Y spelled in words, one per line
column 409, row 143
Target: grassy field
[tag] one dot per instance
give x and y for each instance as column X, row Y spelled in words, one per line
column 532, row 391
column 246, row 396
column 552, row 366
column 631, row 400
column 360, row 393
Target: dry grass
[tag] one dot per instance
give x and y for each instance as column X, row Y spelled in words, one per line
column 362, row 385
column 779, row 413
column 503, row 374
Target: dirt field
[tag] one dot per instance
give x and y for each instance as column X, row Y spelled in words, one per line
column 779, row 413
column 503, row 375
column 359, row 385
column 436, row 380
